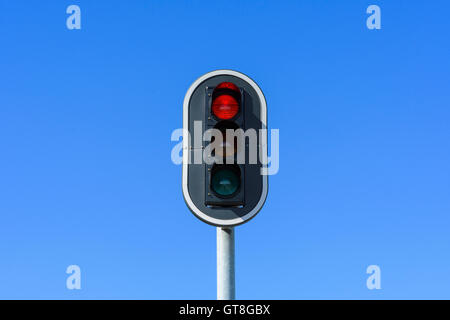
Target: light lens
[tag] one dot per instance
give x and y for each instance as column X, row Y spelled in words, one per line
column 226, row 99
column 227, row 148
column 225, row 181
column 225, row 107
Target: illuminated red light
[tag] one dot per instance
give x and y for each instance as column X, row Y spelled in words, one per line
column 225, row 106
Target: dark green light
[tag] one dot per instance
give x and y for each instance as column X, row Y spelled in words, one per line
column 225, row 182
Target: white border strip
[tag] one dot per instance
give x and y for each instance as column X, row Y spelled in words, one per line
column 263, row 144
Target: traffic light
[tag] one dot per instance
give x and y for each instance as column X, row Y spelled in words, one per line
column 224, row 148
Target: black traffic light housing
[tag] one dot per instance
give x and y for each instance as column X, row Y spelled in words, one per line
column 224, row 194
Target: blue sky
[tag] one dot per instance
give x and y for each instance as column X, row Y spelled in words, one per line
column 86, row 176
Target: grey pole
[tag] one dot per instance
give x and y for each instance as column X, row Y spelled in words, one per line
column 225, row 264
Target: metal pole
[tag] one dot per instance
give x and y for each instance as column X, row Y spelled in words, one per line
column 225, row 264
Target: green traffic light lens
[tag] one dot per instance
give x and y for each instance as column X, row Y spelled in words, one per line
column 225, row 181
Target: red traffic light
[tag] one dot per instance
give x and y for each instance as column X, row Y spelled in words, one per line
column 225, row 104
column 225, row 107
